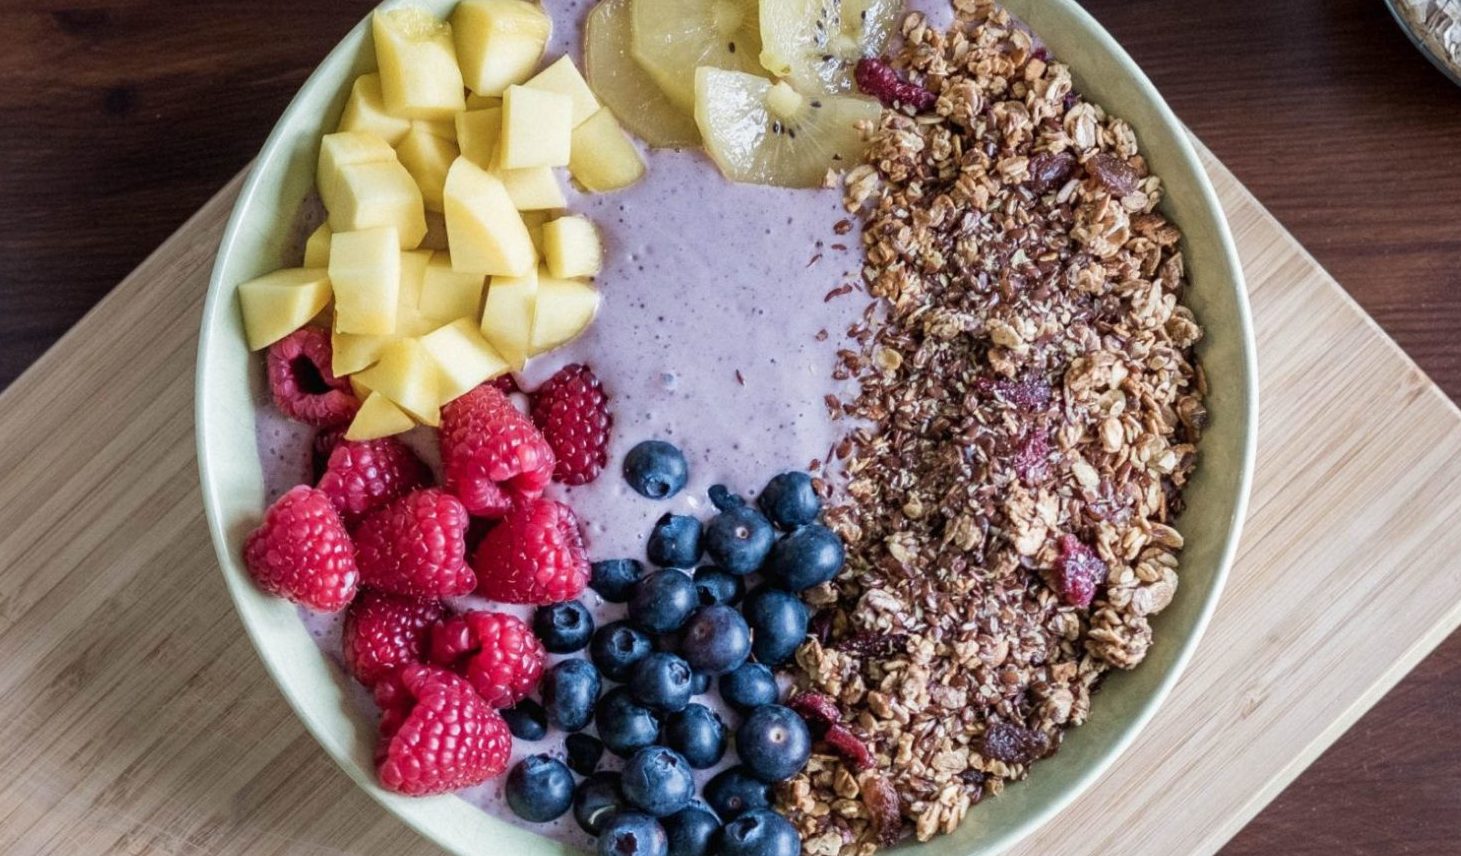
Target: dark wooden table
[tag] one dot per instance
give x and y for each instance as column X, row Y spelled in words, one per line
column 119, row 118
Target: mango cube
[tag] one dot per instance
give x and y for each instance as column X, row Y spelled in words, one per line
column 444, row 128
column 366, row 111
column 477, row 135
column 376, row 418
column 507, row 316
column 365, row 270
column 372, row 195
column 447, row 295
column 571, row 247
column 427, row 157
column 407, row 375
column 351, row 352
column 603, row 158
column 535, row 188
column 537, row 128
column 484, row 230
column 342, row 149
column 417, row 56
column 565, row 309
column 276, row 304
column 563, row 77
column 499, row 42
column 360, row 388
column 463, row 358
column 317, row 247
column 535, row 220
column 409, row 320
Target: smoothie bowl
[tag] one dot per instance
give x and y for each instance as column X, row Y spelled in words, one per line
column 726, row 427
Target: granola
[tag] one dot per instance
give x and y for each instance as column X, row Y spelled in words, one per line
column 1028, row 412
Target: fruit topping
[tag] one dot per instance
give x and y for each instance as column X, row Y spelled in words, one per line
column 790, row 500
column 383, row 632
column 361, row 477
column 674, row 542
column 625, row 725
column 563, row 627
column 692, row 830
column 1078, row 572
column 302, row 552
column 739, row 539
column 614, row 579
column 714, row 586
column 815, row 44
column 880, row 80
column 716, row 640
column 632, row 833
column 880, row 798
column 1050, row 170
column 1014, row 744
column 569, row 691
column 596, row 801
column 844, row 742
column 491, row 453
column 302, row 383
column 760, row 832
column 539, row 788
column 819, row 711
column 526, row 720
column 663, row 601
column 698, row 734
column 278, row 303
column 535, row 555
column 656, row 469
column 623, row 84
column 436, row 734
column 661, row 682
column 674, row 38
column 806, row 557
column 416, row 546
column 773, row 743
column 734, row 791
column 748, row 687
column 657, row 781
column 572, row 411
column 583, row 753
column 495, row 652
column 778, row 621
column 764, row 133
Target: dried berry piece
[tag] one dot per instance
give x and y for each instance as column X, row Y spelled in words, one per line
column 819, row 711
column 1031, row 457
column 1030, row 393
column 880, row 799
column 875, row 645
column 1114, row 173
column 1078, row 571
column 878, row 79
column 820, row 626
column 1050, row 170
column 841, row 740
column 1014, row 744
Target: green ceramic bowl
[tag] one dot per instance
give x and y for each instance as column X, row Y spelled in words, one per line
column 259, row 239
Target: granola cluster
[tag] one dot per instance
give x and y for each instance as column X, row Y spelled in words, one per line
column 1027, row 415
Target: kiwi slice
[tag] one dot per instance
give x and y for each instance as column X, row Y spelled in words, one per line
column 815, row 44
column 764, row 133
column 672, row 38
column 625, row 87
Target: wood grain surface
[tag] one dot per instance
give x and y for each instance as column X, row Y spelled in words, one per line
column 118, row 119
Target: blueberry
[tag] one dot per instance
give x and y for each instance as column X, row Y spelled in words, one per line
column 527, row 720
column 569, row 691
column 563, row 627
column 596, row 800
column 734, row 791
column 722, row 498
column 630, row 833
column 698, row 734
column 759, row 833
column 584, row 752
column 716, row 640
column 656, row 469
column 714, row 585
column 699, row 684
column 790, row 500
column 625, row 726
column 663, row 601
column 749, row 687
column 778, row 621
column 614, row 579
column 616, row 647
column 738, row 539
column 692, row 830
column 773, row 743
column 661, row 682
column 674, row 542
column 539, row 788
column 810, row 555
column 657, row 781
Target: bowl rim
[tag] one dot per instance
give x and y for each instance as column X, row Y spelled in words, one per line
column 1182, row 150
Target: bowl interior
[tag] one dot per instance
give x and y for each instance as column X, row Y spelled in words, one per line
column 230, row 382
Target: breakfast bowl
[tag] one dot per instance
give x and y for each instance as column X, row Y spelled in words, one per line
column 266, row 232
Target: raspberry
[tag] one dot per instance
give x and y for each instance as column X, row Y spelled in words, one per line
column 384, row 632
column 436, row 734
column 497, row 654
column 1078, row 571
column 326, row 439
column 416, row 546
column 304, row 387
column 363, row 476
column 572, row 411
column 301, row 551
column 491, row 454
column 842, row 741
column 878, row 79
column 535, row 555
column 505, row 383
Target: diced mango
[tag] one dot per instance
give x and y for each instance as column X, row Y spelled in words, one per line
column 463, row 358
column 378, row 417
column 447, row 295
column 361, row 389
column 499, row 42
column 535, row 188
column 603, row 158
column 565, row 309
column 372, row 195
column 366, row 111
column 507, row 316
column 427, row 157
column 571, row 247
column 563, row 77
column 343, row 149
column 407, row 375
column 365, row 270
column 482, row 102
column 409, row 320
column 444, row 128
column 351, row 352
column 435, row 238
column 535, row 220
column 317, row 247
column 477, row 134
column 418, row 64
column 484, row 230
column 276, row 304
column 537, row 128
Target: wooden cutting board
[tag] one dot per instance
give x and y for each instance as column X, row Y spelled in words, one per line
column 135, row 718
